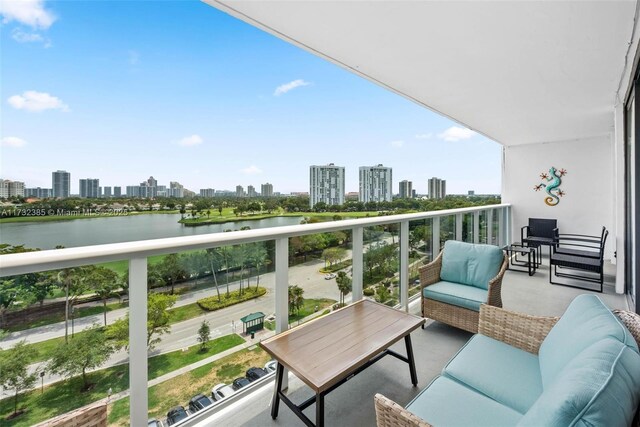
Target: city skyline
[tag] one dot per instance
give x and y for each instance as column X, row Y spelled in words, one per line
column 112, row 115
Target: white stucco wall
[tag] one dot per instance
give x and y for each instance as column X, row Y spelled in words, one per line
column 589, row 186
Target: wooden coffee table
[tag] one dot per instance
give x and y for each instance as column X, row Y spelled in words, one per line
column 328, row 351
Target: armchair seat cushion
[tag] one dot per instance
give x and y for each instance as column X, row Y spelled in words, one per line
column 464, row 296
column 504, row 373
column 448, row 403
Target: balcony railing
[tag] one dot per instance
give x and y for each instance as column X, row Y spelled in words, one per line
column 497, row 231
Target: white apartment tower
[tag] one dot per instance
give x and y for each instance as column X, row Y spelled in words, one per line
column 10, row 188
column 89, row 188
column 266, row 190
column 437, row 188
column 326, row 184
column 61, row 183
column 406, row 189
column 376, row 184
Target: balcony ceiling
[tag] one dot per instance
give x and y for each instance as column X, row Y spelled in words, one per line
column 517, row 72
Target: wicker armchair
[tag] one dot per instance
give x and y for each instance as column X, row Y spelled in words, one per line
column 516, row 329
column 459, row 317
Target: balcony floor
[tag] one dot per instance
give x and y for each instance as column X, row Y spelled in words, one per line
column 352, row 403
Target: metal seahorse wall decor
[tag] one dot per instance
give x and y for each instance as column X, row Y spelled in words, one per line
column 551, row 186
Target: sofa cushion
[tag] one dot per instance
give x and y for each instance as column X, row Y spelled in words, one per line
column 448, row 403
column 504, row 373
column 586, row 321
column 470, row 264
column 598, row 387
column 456, row 294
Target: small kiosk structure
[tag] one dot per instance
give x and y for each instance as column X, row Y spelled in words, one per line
column 252, row 323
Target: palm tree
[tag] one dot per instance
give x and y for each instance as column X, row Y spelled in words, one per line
column 295, row 298
column 258, row 257
column 344, row 285
column 215, row 261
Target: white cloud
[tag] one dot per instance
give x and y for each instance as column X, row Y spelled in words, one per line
column 424, row 135
column 251, row 170
column 284, row 88
column 22, row 37
column 37, row 101
column 134, row 57
column 190, row 141
column 455, row 133
column 13, row 141
column 397, row 144
column 27, row 12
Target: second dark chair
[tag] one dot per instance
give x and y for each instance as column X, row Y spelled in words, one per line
column 539, row 232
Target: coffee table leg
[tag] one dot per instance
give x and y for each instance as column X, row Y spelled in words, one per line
column 320, row 410
column 275, row 403
column 412, row 362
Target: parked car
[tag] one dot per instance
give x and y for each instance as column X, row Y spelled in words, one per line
column 271, row 366
column 222, row 391
column 416, row 282
column 255, row 373
column 175, row 414
column 330, row 276
column 154, row 422
column 199, row 402
column 238, row 383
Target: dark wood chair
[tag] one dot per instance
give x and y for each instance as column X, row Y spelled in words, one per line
column 539, row 232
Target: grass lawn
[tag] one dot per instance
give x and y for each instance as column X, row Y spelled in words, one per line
column 178, row 391
column 65, row 396
column 307, row 309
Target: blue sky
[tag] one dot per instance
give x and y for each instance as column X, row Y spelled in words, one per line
column 179, row 90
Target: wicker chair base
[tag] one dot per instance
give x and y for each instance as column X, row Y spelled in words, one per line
column 455, row 316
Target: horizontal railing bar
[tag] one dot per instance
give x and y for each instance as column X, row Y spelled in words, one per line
column 32, row 262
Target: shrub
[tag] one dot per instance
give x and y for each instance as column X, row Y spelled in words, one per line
column 212, row 303
column 368, row 292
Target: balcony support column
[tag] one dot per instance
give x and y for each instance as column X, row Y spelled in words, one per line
column 357, row 270
column 404, row 265
column 435, row 237
column 282, row 293
column 139, row 406
column 459, row 227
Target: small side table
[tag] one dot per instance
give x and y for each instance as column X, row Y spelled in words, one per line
column 529, row 266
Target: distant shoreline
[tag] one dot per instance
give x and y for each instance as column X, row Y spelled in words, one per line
column 51, row 218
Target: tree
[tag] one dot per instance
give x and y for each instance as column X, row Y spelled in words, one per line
column 295, row 299
column 10, row 292
column 14, row 372
column 158, row 318
column 172, row 269
column 204, row 335
column 344, row 285
column 89, row 350
column 72, row 280
column 105, row 282
column 215, row 258
column 257, row 257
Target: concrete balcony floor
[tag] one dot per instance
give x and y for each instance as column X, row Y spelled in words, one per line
column 352, row 404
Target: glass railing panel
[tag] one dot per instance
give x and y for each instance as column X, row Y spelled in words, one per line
column 381, row 264
column 483, row 226
column 447, row 229
column 467, row 227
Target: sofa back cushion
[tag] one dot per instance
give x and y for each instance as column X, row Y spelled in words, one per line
column 598, row 387
column 586, row 321
column 470, row 264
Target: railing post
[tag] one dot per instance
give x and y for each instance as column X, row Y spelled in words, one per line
column 476, row 227
column 139, row 400
column 435, row 237
column 404, row 265
column 489, row 226
column 356, row 266
column 282, row 292
column 501, row 241
column 507, row 215
column 459, row 227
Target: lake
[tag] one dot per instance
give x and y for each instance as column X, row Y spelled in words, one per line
column 96, row 231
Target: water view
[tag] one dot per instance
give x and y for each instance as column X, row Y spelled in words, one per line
column 96, row 231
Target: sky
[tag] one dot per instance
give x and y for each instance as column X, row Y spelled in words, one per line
column 122, row 90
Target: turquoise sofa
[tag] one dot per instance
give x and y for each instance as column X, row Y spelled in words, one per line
column 580, row 370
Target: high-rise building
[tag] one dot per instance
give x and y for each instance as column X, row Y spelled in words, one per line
column 89, row 188
column 106, row 192
column 266, row 190
column 133, row 190
column 61, row 183
column 149, row 188
column 251, row 191
column 406, row 189
column 376, row 184
column 326, row 184
column 117, row 191
column 10, row 188
column 40, row 193
column 175, row 189
column 239, row 191
column 207, row 192
column 437, row 188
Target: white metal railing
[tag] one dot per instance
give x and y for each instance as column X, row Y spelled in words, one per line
column 138, row 252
